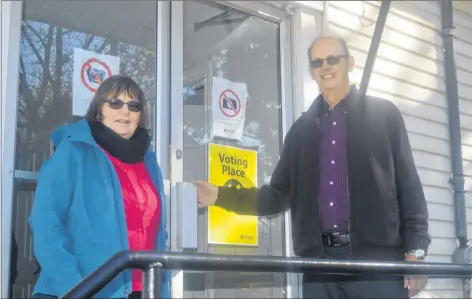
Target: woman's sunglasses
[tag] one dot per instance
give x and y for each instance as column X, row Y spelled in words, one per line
column 117, row 104
column 331, row 60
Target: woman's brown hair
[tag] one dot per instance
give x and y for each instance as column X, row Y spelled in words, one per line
column 111, row 88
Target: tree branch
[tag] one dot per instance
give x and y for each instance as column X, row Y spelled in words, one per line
column 47, row 58
column 32, row 46
column 25, row 88
column 58, row 70
column 35, row 32
column 106, row 42
column 88, row 41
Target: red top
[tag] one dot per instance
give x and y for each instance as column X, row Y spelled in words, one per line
column 142, row 209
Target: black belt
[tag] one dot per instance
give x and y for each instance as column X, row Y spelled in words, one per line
column 335, row 239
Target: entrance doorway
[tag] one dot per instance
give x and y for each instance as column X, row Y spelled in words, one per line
column 50, row 33
column 212, row 44
column 172, row 49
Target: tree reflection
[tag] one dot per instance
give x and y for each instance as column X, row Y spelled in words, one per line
column 244, row 52
column 45, row 82
column 239, row 53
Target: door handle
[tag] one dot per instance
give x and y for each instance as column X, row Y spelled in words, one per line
column 188, row 215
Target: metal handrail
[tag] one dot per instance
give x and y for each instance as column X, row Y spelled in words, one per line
column 152, row 262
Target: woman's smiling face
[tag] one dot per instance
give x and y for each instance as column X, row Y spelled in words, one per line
column 122, row 121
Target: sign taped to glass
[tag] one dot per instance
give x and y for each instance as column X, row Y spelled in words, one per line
column 232, row 167
column 90, row 70
column 229, row 108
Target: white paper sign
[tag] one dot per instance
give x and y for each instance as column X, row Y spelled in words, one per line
column 229, row 108
column 90, row 69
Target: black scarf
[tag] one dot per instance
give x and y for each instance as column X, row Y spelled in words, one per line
column 129, row 151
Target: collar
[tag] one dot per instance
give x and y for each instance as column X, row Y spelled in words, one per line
column 351, row 103
column 325, row 108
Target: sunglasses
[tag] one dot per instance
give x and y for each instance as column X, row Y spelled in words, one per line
column 331, row 60
column 117, row 104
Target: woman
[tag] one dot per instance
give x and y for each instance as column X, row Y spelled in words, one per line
column 101, row 192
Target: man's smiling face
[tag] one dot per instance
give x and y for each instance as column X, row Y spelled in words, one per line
column 330, row 64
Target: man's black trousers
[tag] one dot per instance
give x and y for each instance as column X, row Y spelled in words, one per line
column 363, row 286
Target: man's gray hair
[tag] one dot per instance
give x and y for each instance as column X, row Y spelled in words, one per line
column 341, row 40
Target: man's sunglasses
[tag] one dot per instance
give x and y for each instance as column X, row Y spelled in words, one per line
column 331, row 60
column 117, row 104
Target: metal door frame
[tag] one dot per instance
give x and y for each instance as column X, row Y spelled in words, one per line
column 12, row 12
column 283, row 18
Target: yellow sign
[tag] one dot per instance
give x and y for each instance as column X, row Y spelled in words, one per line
column 232, row 167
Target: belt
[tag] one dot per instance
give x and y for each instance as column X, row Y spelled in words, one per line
column 335, row 239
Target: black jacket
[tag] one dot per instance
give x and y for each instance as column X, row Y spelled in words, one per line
column 388, row 212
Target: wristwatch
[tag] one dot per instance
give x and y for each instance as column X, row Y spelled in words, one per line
column 418, row 253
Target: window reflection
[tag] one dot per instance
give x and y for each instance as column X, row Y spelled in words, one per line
column 234, row 50
column 49, row 33
column 232, row 45
column 46, row 62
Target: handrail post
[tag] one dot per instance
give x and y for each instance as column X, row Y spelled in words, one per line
column 152, row 281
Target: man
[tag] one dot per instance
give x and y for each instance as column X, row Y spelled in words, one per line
column 347, row 175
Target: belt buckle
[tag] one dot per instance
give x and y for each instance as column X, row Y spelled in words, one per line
column 328, row 238
column 331, row 240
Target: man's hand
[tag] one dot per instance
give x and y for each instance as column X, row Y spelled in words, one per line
column 206, row 194
column 414, row 284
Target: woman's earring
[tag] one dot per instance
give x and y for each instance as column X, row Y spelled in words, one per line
column 98, row 117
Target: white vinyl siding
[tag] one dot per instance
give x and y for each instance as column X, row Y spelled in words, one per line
column 409, row 71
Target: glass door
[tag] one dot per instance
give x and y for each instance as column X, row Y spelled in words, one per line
column 228, row 75
column 51, row 33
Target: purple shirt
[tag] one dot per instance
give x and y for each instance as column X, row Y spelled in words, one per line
column 333, row 188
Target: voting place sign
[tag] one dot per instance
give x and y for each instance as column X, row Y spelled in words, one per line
column 232, row 167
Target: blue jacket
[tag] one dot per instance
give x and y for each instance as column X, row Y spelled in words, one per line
column 78, row 218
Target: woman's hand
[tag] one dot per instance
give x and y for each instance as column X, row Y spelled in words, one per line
column 206, row 194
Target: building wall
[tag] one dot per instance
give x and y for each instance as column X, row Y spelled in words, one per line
column 409, row 71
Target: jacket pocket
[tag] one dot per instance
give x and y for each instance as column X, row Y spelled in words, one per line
column 378, row 211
